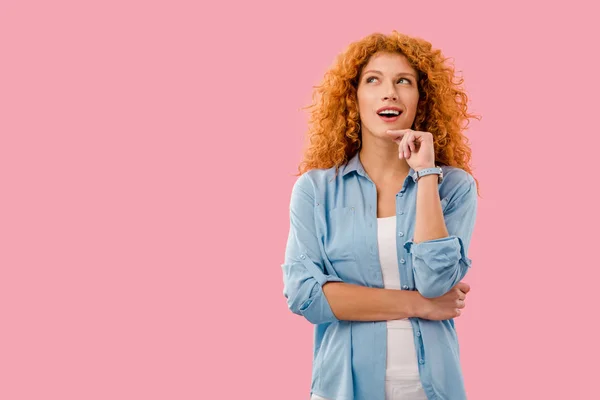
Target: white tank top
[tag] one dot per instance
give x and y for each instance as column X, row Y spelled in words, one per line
column 401, row 353
column 402, row 373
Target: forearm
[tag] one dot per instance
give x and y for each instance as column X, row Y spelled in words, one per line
column 351, row 302
column 441, row 240
column 430, row 222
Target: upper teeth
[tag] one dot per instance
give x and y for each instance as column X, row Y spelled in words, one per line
column 392, row 112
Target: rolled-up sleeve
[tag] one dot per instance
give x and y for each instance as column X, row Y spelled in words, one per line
column 303, row 268
column 440, row 264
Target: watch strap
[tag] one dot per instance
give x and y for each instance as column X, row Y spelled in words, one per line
column 429, row 171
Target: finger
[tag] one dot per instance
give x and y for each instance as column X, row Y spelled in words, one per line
column 400, row 152
column 461, row 303
column 405, row 147
column 409, row 139
column 396, row 134
column 411, row 144
column 464, row 287
column 421, row 135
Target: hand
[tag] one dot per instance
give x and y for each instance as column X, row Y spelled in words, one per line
column 446, row 306
column 415, row 147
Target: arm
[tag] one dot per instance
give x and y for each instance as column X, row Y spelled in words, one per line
column 321, row 297
column 441, row 241
column 360, row 303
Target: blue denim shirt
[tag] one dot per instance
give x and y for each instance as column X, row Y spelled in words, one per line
column 333, row 237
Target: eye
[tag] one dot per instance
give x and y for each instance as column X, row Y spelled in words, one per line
column 370, row 78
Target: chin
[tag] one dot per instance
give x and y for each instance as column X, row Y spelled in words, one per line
column 382, row 130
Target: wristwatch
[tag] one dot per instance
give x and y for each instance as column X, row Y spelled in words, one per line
column 428, row 171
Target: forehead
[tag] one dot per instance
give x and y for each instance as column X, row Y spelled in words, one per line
column 388, row 63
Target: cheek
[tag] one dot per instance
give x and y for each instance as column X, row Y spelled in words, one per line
column 413, row 103
column 365, row 103
column 415, row 98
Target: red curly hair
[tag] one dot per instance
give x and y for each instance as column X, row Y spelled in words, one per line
column 334, row 125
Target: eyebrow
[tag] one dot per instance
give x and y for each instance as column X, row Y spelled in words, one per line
column 398, row 74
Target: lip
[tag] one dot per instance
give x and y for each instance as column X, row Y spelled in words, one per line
column 389, row 108
column 390, row 119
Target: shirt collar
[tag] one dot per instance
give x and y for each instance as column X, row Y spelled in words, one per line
column 354, row 164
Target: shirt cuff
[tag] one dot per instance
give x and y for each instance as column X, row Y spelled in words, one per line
column 316, row 308
column 439, row 253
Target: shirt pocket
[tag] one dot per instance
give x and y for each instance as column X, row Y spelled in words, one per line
column 340, row 235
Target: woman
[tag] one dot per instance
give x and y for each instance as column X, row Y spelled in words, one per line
column 381, row 219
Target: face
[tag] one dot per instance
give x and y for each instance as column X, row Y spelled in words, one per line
column 387, row 82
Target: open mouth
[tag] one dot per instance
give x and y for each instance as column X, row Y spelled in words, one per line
column 389, row 115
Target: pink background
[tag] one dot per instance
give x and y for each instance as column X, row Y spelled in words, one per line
column 147, row 153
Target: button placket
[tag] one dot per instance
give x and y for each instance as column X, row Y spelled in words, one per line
column 403, row 272
column 374, row 269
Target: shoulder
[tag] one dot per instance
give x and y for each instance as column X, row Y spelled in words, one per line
column 316, row 181
column 456, row 182
column 455, row 175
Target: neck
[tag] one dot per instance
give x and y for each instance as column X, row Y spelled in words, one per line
column 380, row 159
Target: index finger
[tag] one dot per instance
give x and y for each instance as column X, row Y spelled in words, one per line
column 396, row 133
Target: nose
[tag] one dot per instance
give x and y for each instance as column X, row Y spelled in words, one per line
column 390, row 95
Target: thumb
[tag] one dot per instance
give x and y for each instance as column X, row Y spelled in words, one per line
column 464, row 287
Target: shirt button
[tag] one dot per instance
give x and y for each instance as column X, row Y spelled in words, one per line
column 302, row 256
column 418, row 333
column 405, row 287
column 400, row 212
column 401, row 234
column 421, row 361
column 402, row 260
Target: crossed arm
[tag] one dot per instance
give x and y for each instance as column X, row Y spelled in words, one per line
column 438, row 249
